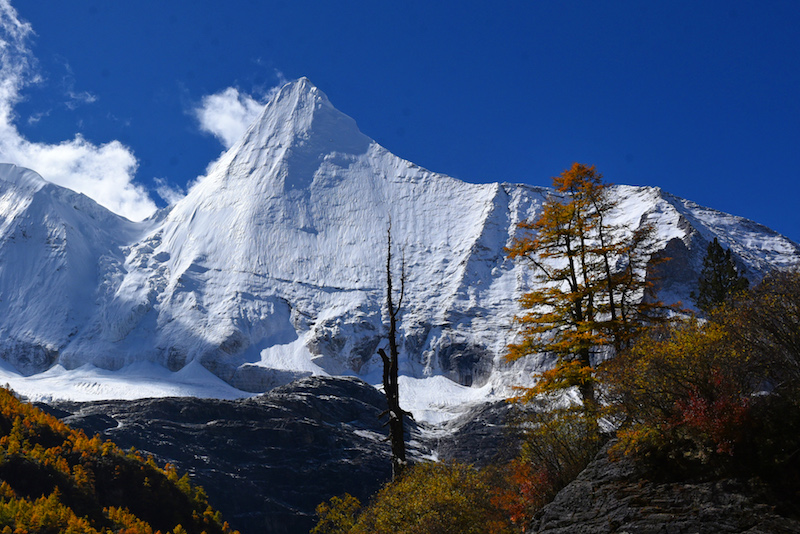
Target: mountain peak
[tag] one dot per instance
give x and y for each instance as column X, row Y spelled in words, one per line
column 273, row 266
column 303, row 84
column 298, row 129
column 297, row 95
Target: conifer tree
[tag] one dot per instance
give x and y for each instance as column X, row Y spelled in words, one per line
column 592, row 286
column 719, row 278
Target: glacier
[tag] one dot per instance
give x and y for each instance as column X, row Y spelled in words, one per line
column 272, row 268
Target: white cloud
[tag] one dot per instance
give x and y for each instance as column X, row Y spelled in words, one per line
column 75, row 98
column 78, row 98
column 227, row 114
column 171, row 194
column 36, row 117
column 103, row 172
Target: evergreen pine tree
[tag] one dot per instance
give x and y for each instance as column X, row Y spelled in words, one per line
column 719, row 278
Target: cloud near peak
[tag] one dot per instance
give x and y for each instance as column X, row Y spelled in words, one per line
column 102, row 172
column 227, row 114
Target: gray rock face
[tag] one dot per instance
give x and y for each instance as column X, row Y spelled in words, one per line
column 268, row 461
column 265, row 462
column 481, row 436
column 615, row 497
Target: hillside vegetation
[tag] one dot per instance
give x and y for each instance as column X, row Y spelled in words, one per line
column 692, row 401
column 54, row 479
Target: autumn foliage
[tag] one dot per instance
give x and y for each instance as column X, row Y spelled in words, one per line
column 57, row 480
column 429, row 498
column 591, row 289
column 720, row 395
column 337, row 516
column 681, row 382
column 717, row 397
column 526, row 489
column 556, row 445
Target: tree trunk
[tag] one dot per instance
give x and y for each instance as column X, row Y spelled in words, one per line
column 390, row 371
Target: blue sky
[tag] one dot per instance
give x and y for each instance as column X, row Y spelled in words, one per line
column 126, row 100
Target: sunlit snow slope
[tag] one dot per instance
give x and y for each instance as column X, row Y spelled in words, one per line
column 273, row 266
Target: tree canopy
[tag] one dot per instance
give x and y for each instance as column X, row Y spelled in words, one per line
column 720, row 394
column 428, row 498
column 592, row 294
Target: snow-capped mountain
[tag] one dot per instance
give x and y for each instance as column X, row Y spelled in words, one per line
column 273, row 266
column 55, row 245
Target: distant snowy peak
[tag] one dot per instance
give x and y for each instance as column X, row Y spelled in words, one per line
column 21, row 188
column 284, row 242
column 53, row 244
column 17, row 189
column 759, row 247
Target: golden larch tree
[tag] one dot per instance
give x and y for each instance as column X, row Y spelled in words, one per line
column 591, row 290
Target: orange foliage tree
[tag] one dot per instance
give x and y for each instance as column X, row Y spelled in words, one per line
column 591, row 290
column 721, row 394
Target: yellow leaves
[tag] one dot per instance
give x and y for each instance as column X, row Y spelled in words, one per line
column 577, row 178
column 184, row 484
column 83, row 477
column 46, row 452
column 564, row 375
column 107, row 448
column 515, row 351
column 127, row 522
column 636, row 440
column 6, row 492
column 338, row 516
column 46, row 514
column 683, row 382
column 590, row 278
column 433, row 499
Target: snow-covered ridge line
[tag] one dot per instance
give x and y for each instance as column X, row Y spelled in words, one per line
column 272, row 267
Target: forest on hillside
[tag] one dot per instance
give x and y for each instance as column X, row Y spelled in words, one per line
column 54, row 479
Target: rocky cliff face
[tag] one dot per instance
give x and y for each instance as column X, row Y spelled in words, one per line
column 267, row 461
column 618, row 497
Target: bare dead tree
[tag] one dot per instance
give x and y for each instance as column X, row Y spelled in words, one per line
column 390, row 368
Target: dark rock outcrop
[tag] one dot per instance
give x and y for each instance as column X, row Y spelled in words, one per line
column 480, row 436
column 616, row 497
column 265, row 462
